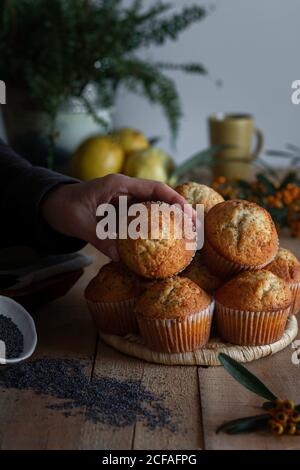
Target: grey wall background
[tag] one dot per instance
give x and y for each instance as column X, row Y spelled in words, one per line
column 252, row 46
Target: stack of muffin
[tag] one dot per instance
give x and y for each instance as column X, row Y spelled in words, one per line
column 170, row 294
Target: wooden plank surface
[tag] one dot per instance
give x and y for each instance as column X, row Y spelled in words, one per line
column 65, row 330
column 180, row 386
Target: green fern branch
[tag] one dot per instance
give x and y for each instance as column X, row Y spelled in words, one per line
column 60, row 47
column 192, row 68
column 161, row 30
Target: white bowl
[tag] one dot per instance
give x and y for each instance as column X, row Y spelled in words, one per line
column 11, row 309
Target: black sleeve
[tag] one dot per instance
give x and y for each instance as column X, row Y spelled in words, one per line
column 22, row 187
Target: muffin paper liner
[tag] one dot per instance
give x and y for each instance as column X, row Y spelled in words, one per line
column 116, row 318
column 295, row 288
column 224, row 268
column 250, row 328
column 175, row 336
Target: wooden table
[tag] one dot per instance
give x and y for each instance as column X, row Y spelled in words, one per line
column 200, row 398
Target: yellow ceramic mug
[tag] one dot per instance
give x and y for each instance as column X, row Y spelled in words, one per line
column 236, row 131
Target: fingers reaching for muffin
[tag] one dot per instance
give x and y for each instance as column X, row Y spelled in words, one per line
column 240, row 283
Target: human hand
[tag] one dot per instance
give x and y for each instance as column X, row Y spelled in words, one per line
column 71, row 208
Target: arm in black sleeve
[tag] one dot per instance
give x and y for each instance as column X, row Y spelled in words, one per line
column 22, row 187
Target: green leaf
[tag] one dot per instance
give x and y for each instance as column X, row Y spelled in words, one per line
column 245, row 378
column 247, row 424
column 270, row 188
column 154, row 11
column 160, row 30
column 278, row 214
column 205, row 157
column 280, row 153
column 267, row 168
column 98, row 119
column 244, row 185
column 268, row 405
column 293, row 148
column 192, row 67
column 291, row 177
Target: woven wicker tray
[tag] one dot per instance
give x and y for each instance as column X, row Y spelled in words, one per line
column 132, row 345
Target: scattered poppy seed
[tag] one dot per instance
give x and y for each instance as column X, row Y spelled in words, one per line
column 12, row 337
column 103, row 399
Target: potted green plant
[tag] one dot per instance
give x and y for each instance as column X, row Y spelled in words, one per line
column 63, row 62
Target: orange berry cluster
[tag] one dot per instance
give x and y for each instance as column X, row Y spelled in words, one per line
column 224, row 188
column 284, row 197
column 287, row 198
column 284, row 418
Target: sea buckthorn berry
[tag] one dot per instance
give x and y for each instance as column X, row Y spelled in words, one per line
column 295, row 417
column 276, row 428
column 290, row 429
column 288, row 406
column 281, row 417
column 278, row 404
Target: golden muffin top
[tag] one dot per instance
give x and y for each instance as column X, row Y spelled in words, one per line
column 255, row 291
column 160, row 252
column 175, row 297
column 200, row 275
column 113, row 283
column 196, row 193
column 242, row 232
column 286, row 266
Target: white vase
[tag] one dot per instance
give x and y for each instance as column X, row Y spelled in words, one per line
column 74, row 127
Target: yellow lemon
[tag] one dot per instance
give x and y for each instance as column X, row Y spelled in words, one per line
column 97, row 156
column 156, row 173
column 151, row 163
column 131, row 140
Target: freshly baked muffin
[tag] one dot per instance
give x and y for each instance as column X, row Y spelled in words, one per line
column 252, row 308
column 196, row 193
column 174, row 315
column 200, row 274
column 287, row 266
column 238, row 236
column 111, row 296
column 159, row 251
